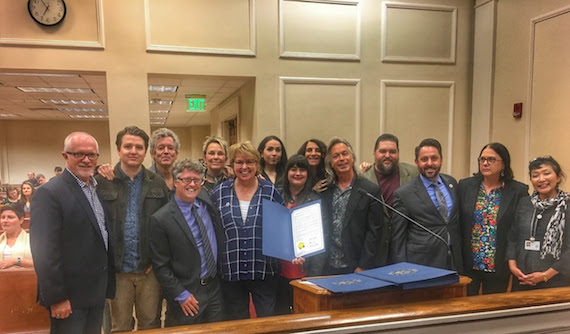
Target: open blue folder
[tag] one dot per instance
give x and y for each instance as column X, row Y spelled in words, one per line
column 290, row 233
column 404, row 275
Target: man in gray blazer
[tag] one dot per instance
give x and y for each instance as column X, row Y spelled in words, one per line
column 185, row 249
column 390, row 174
column 430, row 199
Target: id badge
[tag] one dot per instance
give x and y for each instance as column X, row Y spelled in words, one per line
column 532, row 245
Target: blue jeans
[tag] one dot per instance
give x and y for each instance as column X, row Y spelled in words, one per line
column 81, row 320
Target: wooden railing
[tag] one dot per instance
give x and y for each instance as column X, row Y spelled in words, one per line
column 479, row 308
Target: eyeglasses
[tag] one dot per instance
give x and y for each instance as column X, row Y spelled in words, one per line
column 189, row 180
column 81, row 155
column 490, row 160
column 246, row 162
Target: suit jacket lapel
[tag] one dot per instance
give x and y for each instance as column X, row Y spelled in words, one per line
column 353, row 200
column 422, row 193
column 507, row 196
column 82, row 199
column 181, row 221
column 471, row 196
column 452, row 192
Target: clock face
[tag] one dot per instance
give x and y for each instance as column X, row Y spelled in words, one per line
column 47, row 12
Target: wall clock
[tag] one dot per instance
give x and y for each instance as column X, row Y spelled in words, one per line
column 47, row 12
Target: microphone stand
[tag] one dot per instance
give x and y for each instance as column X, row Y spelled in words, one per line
column 449, row 255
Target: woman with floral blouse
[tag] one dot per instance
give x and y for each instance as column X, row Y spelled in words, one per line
column 487, row 204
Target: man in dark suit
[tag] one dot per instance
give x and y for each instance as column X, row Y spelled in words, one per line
column 185, row 235
column 430, row 200
column 354, row 232
column 70, row 242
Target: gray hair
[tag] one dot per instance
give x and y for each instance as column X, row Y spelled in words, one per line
column 218, row 140
column 328, row 159
column 163, row 133
column 192, row 165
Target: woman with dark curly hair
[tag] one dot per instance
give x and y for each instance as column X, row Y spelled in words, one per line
column 315, row 151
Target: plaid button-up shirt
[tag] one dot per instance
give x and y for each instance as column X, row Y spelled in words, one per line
column 243, row 258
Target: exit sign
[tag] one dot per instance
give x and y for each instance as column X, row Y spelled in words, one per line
column 196, row 104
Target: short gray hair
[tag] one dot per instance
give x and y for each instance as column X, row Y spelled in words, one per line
column 163, row 133
column 192, row 165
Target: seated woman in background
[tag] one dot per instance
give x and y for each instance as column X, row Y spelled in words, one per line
column 273, row 158
column 14, row 242
column 538, row 244
column 296, row 190
column 13, row 196
column 487, row 204
column 215, row 152
column 315, row 151
column 27, row 191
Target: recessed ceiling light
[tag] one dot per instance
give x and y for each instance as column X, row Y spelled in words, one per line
column 43, row 75
column 55, row 101
column 88, row 116
column 158, row 117
column 55, row 90
column 157, row 123
column 163, row 111
column 164, row 89
column 81, row 110
column 160, row 102
column 8, row 115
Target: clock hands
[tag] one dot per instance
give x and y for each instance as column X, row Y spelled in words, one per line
column 45, row 11
column 44, row 3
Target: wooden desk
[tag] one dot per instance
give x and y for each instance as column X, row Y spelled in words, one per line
column 19, row 311
column 312, row 298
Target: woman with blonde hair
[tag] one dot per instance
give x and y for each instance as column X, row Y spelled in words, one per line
column 215, row 154
column 243, row 266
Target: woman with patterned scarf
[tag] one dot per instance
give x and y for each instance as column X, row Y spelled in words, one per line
column 538, row 245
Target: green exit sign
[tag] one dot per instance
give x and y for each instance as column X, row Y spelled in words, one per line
column 196, row 104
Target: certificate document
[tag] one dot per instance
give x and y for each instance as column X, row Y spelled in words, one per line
column 290, row 233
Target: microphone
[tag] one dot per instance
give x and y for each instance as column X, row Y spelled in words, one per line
column 366, row 193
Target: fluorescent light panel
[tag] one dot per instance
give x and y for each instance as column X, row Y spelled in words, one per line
column 81, row 110
column 42, row 75
column 8, row 115
column 55, row 90
column 163, row 111
column 157, row 123
column 88, row 116
column 163, row 89
column 54, row 101
column 157, row 117
column 160, row 102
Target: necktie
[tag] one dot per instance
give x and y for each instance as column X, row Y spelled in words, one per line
column 440, row 200
column 208, row 254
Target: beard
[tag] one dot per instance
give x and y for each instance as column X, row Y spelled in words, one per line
column 387, row 170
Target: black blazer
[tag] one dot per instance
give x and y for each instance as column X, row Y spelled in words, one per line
column 69, row 254
column 511, row 194
column 361, row 225
column 412, row 244
column 175, row 257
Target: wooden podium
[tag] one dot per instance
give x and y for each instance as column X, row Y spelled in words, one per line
column 313, row 298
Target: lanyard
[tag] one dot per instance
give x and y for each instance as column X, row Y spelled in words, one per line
column 534, row 223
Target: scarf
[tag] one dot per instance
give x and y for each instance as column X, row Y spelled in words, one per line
column 552, row 243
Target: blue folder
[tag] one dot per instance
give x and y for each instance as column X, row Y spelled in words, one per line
column 411, row 276
column 350, row 283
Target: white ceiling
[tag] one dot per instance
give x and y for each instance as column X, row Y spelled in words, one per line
column 27, row 106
